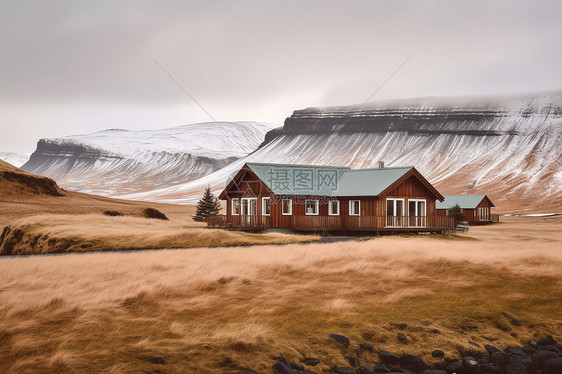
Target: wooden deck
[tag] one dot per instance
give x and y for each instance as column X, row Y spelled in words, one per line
column 338, row 223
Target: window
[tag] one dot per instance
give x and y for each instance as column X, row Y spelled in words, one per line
column 287, row 205
column 395, row 207
column 354, row 207
column 311, row 207
column 334, row 207
column 265, row 206
column 395, row 213
column 235, row 207
column 484, row 214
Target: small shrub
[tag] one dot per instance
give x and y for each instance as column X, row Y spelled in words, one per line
column 154, row 213
column 456, row 213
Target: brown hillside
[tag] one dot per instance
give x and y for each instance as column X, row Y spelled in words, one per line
column 15, row 182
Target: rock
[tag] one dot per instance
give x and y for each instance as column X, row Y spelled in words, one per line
column 296, row 366
column 484, row 358
column 366, row 370
column 310, row 361
column 342, row 339
column 438, row 353
column 470, row 363
column 552, row 366
column 402, row 326
column 533, row 344
column 541, row 356
column 528, row 351
column 351, row 360
column 474, row 344
column 551, row 348
column 434, row 371
column 366, row 347
column 515, row 368
column 499, row 358
column 549, row 340
column 412, row 362
column 491, row 349
column 381, row 368
column 490, row 369
column 157, row 360
column 343, row 370
column 401, row 337
column 516, row 351
column 281, row 368
column 453, row 366
column 389, row 358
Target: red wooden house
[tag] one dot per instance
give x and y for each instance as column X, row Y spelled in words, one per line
column 317, row 198
column 476, row 208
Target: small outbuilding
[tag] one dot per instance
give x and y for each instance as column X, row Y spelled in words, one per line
column 476, row 208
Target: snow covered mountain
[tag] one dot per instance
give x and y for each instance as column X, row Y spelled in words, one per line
column 15, row 158
column 509, row 147
column 118, row 162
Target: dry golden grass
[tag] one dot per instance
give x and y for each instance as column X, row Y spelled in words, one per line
column 112, row 312
column 88, row 232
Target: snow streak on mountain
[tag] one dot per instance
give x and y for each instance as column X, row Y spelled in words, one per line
column 509, row 148
column 119, row 162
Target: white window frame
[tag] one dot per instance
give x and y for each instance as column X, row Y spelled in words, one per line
column 351, row 208
column 424, row 207
column 316, row 207
column 290, row 213
column 396, row 222
column 420, row 220
column 263, row 200
column 232, row 209
column 330, row 210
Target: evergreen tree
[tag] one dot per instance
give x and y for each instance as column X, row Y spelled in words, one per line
column 209, row 205
column 456, row 212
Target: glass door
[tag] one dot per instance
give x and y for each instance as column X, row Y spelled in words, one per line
column 249, row 210
column 417, row 212
column 395, row 213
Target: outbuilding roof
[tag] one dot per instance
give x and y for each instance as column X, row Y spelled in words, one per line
column 292, row 179
column 463, row 201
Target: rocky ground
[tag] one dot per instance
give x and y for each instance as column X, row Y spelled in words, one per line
column 543, row 356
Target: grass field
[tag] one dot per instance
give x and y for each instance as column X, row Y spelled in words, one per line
column 217, row 310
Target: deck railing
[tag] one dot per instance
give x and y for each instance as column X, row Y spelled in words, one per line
column 238, row 221
column 337, row 222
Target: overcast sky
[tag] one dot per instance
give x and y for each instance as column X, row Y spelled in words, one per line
column 71, row 67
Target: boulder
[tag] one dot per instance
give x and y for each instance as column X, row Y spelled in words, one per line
column 281, row 368
column 499, row 358
column 342, row 339
column 412, row 362
column 366, row 370
column 296, row 366
column 157, row 360
column 552, row 366
column 491, row 349
column 343, row 370
column 389, row 358
column 515, row 368
column 470, row 363
column 310, row 361
column 540, row 356
column 438, row 353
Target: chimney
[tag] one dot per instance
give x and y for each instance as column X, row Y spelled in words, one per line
column 381, row 164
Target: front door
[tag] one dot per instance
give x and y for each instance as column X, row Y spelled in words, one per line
column 417, row 212
column 249, row 210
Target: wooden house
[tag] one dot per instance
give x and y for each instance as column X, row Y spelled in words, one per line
column 476, row 208
column 328, row 198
